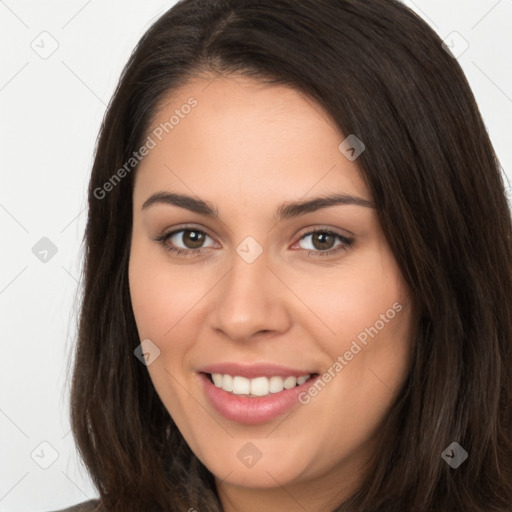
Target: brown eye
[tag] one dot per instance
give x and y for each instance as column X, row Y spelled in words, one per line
column 185, row 241
column 323, row 242
column 192, row 239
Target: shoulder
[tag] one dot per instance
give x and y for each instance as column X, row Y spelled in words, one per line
column 86, row 506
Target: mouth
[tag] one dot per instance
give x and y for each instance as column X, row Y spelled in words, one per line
column 256, row 398
column 257, row 387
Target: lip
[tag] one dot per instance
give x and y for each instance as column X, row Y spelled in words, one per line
column 251, row 371
column 252, row 411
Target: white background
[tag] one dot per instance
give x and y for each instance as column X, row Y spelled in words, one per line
column 51, row 110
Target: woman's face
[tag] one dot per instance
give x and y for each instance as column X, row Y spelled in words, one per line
column 259, row 299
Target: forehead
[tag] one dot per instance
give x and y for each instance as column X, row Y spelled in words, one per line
column 245, row 137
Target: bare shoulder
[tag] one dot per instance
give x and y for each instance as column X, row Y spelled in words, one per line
column 86, row 506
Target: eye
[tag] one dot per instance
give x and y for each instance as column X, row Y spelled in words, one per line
column 192, row 238
column 322, row 240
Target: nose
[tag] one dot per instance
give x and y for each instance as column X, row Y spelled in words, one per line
column 250, row 301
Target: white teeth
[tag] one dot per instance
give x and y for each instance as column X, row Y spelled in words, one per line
column 217, row 379
column 290, row 382
column 260, row 386
column 241, row 386
column 227, row 382
column 301, row 380
column 276, row 384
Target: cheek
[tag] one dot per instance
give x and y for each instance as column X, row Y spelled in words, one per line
column 163, row 299
column 354, row 299
column 364, row 313
column 161, row 294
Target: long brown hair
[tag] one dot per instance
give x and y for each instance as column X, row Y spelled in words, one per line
column 383, row 74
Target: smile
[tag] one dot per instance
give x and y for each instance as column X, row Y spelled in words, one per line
column 262, row 393
column 257, row 387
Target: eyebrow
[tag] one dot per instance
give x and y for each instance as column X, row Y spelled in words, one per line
column 285, row 211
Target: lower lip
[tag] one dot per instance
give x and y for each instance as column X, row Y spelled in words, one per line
column 251, row 411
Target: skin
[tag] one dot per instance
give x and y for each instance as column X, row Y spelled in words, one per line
column 245, row 149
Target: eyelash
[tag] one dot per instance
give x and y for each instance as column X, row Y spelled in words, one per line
column 346, row 243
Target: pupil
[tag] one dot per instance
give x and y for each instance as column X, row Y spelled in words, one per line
column 196, row 239
column 327, row 239
column 320, row 240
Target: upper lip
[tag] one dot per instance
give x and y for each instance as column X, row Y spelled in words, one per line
column 251, row 371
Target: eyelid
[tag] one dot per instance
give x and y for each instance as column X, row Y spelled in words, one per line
column 185, row 227
column 344, row 233
column 169, row 233
column 305, row 231
column 346, row 241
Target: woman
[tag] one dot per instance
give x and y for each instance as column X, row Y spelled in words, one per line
column 297, row 278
